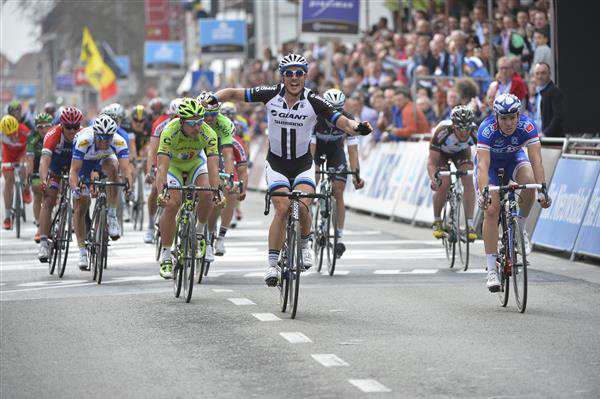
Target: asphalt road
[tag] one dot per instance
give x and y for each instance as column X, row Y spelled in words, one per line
column 394, row 321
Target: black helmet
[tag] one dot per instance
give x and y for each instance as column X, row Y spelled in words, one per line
column 462, row 117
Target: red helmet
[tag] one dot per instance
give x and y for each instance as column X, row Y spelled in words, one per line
column 71, row 116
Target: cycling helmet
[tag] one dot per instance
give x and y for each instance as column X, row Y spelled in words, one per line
column 204, row 96
column 71, row 116
column 138, row 113
column 189, row 108
column 119, row 110
column 336, row 97
column 156, row 105
column 49, row 108
column 104, row 126
column 174, row 106
column 43, row 118
column 293, row 60
column 9, row 125
column 506, row 104
column 14, row 106
column 462, row 117
column 111, row 112
column 229, row 110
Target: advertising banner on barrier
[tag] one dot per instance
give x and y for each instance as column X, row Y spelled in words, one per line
column 258, row 154
column 570, row 190
column 550, row 157
column 588, row 240
column 338, row 17
column 368, row 160
column 410, row 175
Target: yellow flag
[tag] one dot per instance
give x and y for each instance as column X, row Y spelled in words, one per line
column 100, row 76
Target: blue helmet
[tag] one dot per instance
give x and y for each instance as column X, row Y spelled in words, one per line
column 293, row 60
column 507, row 104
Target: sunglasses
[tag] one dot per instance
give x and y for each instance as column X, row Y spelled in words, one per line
column 71, row 127
column 100, row 137
column 299, row 73
column 197, row 122
column 45, row 126
column 137, row 121
column 212, row 113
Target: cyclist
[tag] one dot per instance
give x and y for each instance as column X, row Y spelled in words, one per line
column 14, row 139
column 57, row 152
column 292, row 113
column 452, row 140
column 151, row 167
column 15, row 109
column 181, row 161
column 50, row 109
column 140, row 127
column 500, row 141
column 225, row 130
column 98, row 148
column 328, row 140
column 240, row 174
column 242, row 130
column 157, row 112
column 35, row 143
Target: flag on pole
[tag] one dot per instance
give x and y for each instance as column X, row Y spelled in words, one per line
column 100, row 76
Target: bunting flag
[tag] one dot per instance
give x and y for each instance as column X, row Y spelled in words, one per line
column 98, row 74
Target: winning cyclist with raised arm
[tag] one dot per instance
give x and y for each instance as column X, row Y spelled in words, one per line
column 500, row 141
column 292, row 112
column 452, row 140
column 181, row 162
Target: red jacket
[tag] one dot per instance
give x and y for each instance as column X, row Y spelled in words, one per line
column 518, row 87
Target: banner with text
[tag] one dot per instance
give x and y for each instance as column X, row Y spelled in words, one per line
column 588, row 240
column 570, row 190
column 222, row 37
column 330, row 17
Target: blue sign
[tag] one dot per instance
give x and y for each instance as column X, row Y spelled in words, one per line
column 163, row 55
column 330, row 16
column 588, row 240
column 570, row 190
column 222, row 36
column 203, row 79
column 65, row 82
column 25, row 90
column 123, row 63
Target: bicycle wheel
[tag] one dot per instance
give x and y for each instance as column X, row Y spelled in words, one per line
column 447, row 239
column 519, row 266
column 102, row 242
column 504, row 268
column 201, row 263
column 177, row 259
column 295, row 270
column 57, row 234
column 91, row 245
column 283, row 281
column 18, row 209
column 463, row 233
column 333, row 240
column 189, row 262
column 140, row 203
column 157, row 242
column 319, row 238
column 205, row 263
column 65, row 240
column 51, row 246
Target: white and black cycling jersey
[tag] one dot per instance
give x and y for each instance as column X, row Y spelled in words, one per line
column 290, row 129
column 327, row 131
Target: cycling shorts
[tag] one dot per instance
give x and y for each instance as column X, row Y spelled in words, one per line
column 336, row 157
column 185, row 173
column 282, row 172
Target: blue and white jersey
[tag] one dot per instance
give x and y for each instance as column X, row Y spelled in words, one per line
column 500, row 146
column 84, row 147
column 120, row 131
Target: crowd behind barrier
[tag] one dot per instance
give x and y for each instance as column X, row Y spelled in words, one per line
column 397, row 187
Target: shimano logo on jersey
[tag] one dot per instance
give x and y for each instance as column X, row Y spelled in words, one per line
column 288, row 115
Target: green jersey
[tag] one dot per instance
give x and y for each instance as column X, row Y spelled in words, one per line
column 35, row 143
column 225, row 130
column 183, row 149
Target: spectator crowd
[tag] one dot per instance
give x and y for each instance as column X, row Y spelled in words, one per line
column 406, row 78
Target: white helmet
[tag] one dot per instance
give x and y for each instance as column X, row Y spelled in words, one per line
column 104, row 125
column 174, row 106
column 205, row 97
column 336, row 97
column 293, row 60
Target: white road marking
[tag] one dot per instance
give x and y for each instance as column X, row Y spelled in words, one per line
column 386, row 271
column 133, row 278
column 414, row 271
column 369, row 385
column 221, row 290
column 473, row 271
column 295, row 337
column 5, row 292
column 424, row 271
column 241, row 301
column 50, row 283
column 255, row 274
column 215, row 275
column 266, row 316
column 337, row 272
column 329, row 360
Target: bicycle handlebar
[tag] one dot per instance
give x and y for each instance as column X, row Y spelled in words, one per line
column 192, row 188
column 456, row 173
column 293, row 195
column 513, row 187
